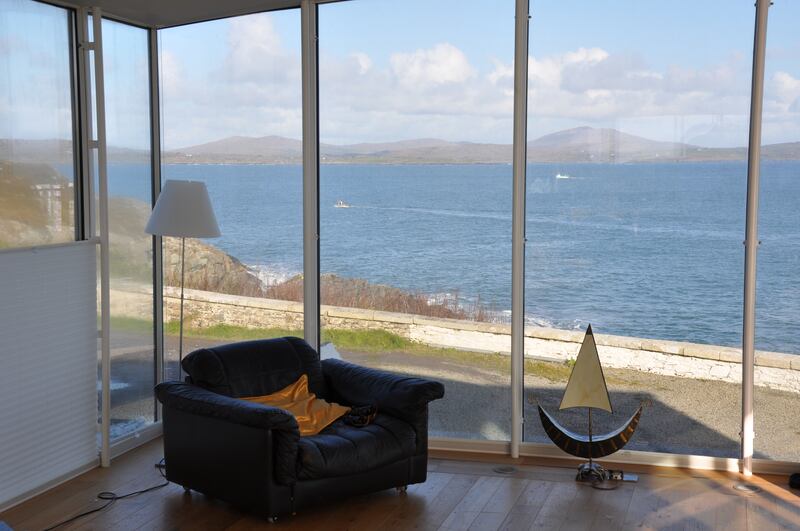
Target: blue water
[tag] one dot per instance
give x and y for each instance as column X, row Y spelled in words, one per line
column 649, row 250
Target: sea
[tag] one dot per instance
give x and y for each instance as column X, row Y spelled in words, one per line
column 648, row 250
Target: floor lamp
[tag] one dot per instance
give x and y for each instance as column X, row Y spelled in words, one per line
column 183, row 210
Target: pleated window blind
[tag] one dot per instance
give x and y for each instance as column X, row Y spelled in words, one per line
column 48, row 366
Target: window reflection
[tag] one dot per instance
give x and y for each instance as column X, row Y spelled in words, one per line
column 37, row 192
column 635, row 215
column 127, row 111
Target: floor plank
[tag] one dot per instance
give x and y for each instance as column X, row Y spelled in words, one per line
column 558, row 505
column 584, row 506
column 612, row 511
column 420, row 498
column 472, row 503
column 460, row 494
column 433, row 515
column 487, row 522
column 643, row 509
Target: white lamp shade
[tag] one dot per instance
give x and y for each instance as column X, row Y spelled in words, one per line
column 183, row 209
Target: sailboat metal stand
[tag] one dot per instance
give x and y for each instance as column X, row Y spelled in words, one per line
column 591, row 472
column 596, row 474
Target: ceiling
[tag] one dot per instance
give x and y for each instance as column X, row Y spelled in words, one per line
column 166, row 13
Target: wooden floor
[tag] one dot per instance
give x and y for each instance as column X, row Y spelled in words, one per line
column 459, row 494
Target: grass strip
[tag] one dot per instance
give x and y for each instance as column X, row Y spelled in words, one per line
column 377, row 342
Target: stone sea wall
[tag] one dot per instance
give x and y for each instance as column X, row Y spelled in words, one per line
column 669, row 358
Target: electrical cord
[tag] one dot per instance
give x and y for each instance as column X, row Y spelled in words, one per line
column 111, row 497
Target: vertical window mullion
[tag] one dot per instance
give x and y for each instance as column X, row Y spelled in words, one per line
column 518, row 223
column 310, row 69
column 155, row 174
column 751, row 235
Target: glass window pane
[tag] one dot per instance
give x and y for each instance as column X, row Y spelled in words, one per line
column 37, row 192
column 638, row 127
column 231, row 103
column 415, row 187
column 777, row 380
column 127, row 112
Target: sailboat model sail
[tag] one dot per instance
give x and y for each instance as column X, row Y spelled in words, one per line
column 587, row 388
column 587, row 385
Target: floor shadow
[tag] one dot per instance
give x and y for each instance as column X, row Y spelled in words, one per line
column 475, row 409
column 699, row 418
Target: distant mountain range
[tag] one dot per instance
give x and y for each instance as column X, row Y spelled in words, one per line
column 59, row 151
column 581, row 144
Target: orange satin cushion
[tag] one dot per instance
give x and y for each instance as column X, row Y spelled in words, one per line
column 313, row 414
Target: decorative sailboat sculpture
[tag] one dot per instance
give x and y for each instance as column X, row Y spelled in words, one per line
column 587, row 388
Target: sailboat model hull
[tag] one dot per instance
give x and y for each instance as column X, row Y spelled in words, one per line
column 579, row 445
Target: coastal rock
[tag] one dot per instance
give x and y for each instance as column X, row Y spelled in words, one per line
column 208, row 269
column 360, row 293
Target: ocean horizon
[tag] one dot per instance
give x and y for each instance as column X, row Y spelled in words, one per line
column 648, row 250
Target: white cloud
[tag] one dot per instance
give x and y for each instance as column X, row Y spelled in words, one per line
column 171, row 74
column 254, row 91
column 252, row 42
column 781, row 121
column 595, row 87
column 254, row 88
column 363, row 60
column 432, row 92
column 439, row 92
column 35, row 101
column 444, row 63
column 502, row 74
column 783, row 90
column 785, row 86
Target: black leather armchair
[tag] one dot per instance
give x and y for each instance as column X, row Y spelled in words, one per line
column 252, row 455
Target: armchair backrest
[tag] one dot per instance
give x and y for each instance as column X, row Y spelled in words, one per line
column 255, row 368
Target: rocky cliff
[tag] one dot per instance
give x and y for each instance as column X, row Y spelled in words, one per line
column 208, row 269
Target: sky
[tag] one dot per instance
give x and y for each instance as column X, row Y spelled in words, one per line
column 676, row 71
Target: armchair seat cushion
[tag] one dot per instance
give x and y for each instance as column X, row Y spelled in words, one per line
column 341, row 449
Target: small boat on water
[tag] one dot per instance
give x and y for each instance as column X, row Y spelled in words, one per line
column 341, row 204
column 562, row 176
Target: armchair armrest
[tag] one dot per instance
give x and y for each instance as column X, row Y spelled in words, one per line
column 194, row 416
column 400, row 396
column 198, row 401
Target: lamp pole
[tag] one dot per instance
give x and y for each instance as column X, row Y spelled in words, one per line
column 183, row 210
